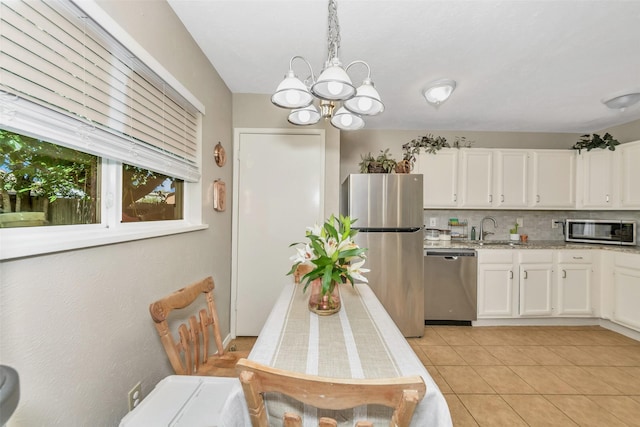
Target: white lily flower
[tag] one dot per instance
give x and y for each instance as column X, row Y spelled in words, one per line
column 356, row 271
column 303, row 255
column 347, row 244
column 316, row 230
column 330, row 246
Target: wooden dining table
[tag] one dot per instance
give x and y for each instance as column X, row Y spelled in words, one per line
column 360, row 341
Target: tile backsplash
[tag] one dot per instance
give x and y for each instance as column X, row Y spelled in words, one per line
column 536, row 224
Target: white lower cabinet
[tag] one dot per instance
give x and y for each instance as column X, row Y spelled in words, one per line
column 536, row 283
column 626, row 290
column 495, row 284
column 574, row 277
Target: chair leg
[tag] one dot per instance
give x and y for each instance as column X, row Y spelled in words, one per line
column 291, row 420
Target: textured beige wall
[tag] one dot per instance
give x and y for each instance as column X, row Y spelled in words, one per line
column 628, row 132
column 76, row 324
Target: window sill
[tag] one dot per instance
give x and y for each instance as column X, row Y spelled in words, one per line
column 20, row 242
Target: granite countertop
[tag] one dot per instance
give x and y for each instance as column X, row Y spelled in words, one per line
column 531, row 244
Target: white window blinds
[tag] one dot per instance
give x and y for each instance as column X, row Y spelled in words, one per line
column 53, row 56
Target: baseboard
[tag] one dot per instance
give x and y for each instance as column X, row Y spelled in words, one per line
column 549, row 321
column 227, row 340
column 615, row 327
column 561, row 321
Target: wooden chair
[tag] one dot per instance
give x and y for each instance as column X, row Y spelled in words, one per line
column 189, row 351
column 401, row 394
column 301, row 270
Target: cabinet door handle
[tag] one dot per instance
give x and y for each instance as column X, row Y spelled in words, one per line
column 577, row 257
column 490, row 198
column 564, row 274
column 537, row 198
column 525, row 274
column 455, row 197
column 607, row 198
column 502, row 198
column 510, row 274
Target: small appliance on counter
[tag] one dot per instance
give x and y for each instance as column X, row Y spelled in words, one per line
column 432, row 234
column 604, row 231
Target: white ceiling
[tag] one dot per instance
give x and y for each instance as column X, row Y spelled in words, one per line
column 539, row 66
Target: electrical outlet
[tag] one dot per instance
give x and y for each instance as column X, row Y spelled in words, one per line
column 433, row 222
column 135, row 396
column 554, row 223
column 520, row 222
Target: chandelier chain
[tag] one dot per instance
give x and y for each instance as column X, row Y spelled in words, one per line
column 333, row 32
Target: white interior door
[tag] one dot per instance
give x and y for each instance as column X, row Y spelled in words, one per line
column 280, row 192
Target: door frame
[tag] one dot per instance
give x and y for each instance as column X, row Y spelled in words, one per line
column 235, row 201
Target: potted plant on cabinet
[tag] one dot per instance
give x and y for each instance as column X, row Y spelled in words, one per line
column 428, row 142
column 589, row 142
column 383, row 163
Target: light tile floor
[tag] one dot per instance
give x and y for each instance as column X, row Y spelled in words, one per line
column 531, row 375
column 534, row 376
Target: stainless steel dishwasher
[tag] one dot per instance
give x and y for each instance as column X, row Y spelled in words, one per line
column 450, row 291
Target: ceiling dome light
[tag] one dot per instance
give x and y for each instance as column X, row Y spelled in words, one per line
column 439, row 91
column 620, row 102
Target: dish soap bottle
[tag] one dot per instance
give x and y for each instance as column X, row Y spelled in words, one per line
column 473, row 233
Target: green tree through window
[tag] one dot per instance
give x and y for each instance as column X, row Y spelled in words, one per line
column 58, row 183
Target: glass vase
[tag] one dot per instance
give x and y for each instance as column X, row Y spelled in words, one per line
column 324, row 304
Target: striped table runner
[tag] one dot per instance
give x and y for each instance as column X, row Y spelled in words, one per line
column 327, row 346
column 360, row 341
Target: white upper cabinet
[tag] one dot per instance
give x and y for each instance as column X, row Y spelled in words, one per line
column 511, row 172
column 553, row 179
column 484, row 178
column 440, row 170
column 476, row 178
column 630, row 175
column 596, row 179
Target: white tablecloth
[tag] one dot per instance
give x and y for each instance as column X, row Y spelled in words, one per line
column 360, row 341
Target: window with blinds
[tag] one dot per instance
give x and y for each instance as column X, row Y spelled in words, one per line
column 54, row 58
column 98, row 142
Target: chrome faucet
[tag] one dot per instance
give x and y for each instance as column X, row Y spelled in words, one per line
column 483, row 233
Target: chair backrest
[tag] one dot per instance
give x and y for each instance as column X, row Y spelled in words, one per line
column 402, row 394
column 301, row 270
column 190, row 349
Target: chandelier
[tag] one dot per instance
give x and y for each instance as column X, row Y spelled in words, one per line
column 330, row 88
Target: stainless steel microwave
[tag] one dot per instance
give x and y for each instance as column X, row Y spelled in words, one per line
column 605, row 231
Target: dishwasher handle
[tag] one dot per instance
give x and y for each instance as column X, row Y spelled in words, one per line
column 449, row 254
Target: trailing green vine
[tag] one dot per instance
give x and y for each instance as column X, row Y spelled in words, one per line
column 589, row 142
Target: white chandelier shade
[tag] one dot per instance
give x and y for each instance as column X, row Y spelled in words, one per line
column 333, row 86
column 346, row 120
column 306, row 116
column 292, row 93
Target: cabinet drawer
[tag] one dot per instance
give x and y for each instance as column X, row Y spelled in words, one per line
column 491, row 256
column 535, row 256
column 627, row 260
column 576, row 257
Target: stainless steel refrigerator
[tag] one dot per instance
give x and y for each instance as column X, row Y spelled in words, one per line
column 388, row 209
